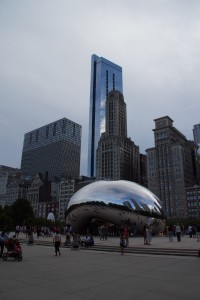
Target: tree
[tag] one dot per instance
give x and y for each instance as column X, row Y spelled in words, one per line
column 22, row 212
column 5, row 218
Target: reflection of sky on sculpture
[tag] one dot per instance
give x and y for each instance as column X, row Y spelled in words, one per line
column 117, row 192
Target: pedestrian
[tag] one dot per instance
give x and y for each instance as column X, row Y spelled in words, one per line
column 198, row 231
column 126, row 235
column 3, row 238
column 102, row 237
column 170, row 233
column 145, row 234
column 57, row 243
column 122, row 243
column 148, row 235
column 178, row 232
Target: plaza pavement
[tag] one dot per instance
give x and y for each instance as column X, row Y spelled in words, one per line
column 90, row 275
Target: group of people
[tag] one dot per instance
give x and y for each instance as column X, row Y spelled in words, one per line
column 179, row 230
column 74, row 240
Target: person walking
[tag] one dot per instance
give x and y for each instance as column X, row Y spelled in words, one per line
column 57, row 243
column 170, row 233
column 122, row 243
column 178, row 232
column 148, row 235
column 145, row 234
column 126, row 235
column 198, row 232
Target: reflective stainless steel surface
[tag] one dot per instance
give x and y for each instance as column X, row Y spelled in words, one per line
column 116, row 202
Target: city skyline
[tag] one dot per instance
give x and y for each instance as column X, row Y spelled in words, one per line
column 45, row 65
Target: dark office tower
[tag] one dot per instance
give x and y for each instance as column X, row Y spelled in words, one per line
column 117, row 156
column 196, row 133
column 105, row 77
column 54, row 148
column 171, row 167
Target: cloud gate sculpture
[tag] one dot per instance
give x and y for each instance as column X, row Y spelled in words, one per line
column 118, row 203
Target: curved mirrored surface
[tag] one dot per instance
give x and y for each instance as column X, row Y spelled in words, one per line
column 117, row 202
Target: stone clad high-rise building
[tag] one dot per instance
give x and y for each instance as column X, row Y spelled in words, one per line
column 105, row 77
column 171, row 167
column 117, row 156
column 54, row 148
column 196, row 133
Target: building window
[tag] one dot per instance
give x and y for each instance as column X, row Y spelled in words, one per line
column 37, row 135
column 47, row 132
column 106, row 83
column 30, row 139
column 54, row 129
column 113, row 81
column 64, row 126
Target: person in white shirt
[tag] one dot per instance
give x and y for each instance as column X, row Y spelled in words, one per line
column 178, row 232
column 57, row 243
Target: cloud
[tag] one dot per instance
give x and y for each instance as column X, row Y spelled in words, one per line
column 45, row 53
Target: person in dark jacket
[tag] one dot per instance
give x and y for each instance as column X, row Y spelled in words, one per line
column 3, row 237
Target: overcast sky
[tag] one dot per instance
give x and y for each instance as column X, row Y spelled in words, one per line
column 45, row 57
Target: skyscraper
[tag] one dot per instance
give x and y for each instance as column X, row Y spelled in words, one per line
column 196, row 133
column 171, row 167
column 105, row 77
column 117, row 156
column 54, row 148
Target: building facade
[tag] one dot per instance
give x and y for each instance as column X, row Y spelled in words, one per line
column 193, row 201
column 143, row 170
column 54, row 148
column 43, row 196
column 66, row 191
column 6, row 176
column 17, row 188
column 117, row 156
column 196, row 133
column 171, row 167
column 105, row 77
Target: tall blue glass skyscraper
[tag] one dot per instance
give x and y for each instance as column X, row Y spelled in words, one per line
column 105, row 77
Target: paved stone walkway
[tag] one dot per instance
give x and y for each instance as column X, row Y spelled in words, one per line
column 94, row 275
column 157, row 242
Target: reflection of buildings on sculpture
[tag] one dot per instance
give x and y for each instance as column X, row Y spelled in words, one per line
column 115, row 202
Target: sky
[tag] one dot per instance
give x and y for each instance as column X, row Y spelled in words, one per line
column 45, row 61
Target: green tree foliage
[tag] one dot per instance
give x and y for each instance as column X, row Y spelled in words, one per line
column 22, row 212
column 5, row 218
